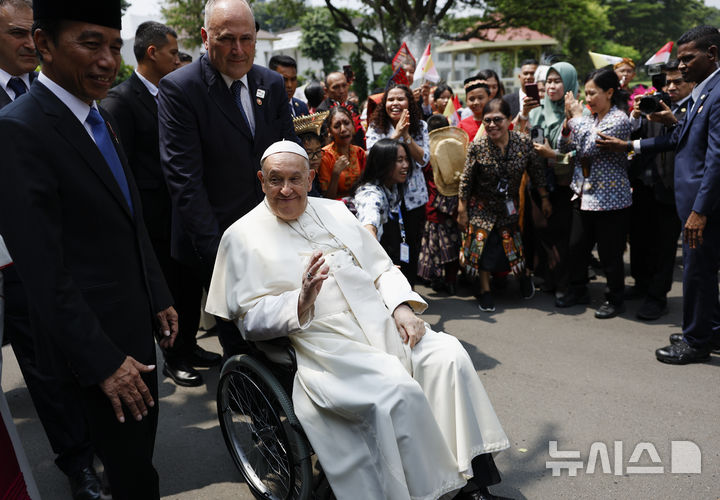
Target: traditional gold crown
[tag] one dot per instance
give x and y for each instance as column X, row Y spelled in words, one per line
column 310, row 123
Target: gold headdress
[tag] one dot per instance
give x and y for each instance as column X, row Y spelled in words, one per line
column 310, row 123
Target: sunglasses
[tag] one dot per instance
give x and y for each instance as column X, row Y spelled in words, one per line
column 497, row 120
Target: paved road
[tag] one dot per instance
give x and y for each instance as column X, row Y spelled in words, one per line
column 553, row 375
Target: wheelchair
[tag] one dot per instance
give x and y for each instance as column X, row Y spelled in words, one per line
column 261, row 431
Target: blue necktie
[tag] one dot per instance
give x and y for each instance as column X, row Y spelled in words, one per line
column 17, row 86
column 236, row 88
column 105, row 144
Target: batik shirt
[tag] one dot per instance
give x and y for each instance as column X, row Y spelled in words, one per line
column 374, row 204
column 607, row 187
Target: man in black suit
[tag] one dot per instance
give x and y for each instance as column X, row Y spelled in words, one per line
column 217, row 116
column 133, row 105
column 287, row 67
column 527, row 75
column 17, row 52
column 654, row 223
column 72, row 220
column 52, row 392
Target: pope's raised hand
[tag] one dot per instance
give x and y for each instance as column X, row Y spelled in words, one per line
column 312, row 280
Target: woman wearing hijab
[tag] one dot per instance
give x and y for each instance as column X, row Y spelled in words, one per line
column 549, row 253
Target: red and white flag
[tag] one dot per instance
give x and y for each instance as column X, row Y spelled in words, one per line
column 662, row 56
column 426, row 68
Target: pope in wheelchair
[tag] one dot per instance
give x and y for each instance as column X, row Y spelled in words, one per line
column 393, row 409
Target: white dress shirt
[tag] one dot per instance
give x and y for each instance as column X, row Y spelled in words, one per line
column 77, row 107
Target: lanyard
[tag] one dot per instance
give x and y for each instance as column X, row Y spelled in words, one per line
column 402, row 225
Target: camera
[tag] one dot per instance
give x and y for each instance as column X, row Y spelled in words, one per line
column 651, row 103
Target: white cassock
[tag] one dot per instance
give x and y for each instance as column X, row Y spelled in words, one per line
column 386, row 422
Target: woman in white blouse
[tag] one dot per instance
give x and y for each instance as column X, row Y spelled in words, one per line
column 378, row 199
column 398, row 117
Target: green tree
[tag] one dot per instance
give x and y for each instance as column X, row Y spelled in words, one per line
column 276, row 15
column 124, row 72
column 320, row 39
column 185, row 17
column 578, row 25
column 381, row 80
column 648, row 25
column 360, row 84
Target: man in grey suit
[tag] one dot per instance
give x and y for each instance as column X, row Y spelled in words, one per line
column 217, row 116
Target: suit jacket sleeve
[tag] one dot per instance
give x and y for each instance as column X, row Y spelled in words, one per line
column 661, row 143
column 182, row 163
column 708, row 196
column 122, row 115
column 31, row 223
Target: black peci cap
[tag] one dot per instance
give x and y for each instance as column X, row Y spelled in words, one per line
column 102, row 12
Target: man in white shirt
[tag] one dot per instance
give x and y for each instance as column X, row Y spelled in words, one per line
column 17, row 51
column 71, row 217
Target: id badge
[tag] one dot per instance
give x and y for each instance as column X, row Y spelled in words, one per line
column 405, row 253
column 510, row 206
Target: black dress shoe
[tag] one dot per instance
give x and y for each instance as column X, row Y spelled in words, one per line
column 85, row 485
column 677, row 338
column 609, row 310
column 182, row 373
column 682, row 354
column 572, row 298
column 651, row 309
column 201, row 357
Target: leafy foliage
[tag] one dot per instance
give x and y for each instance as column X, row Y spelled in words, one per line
column 185, row 17
column 320, row 39
column 124, row 72
column 360, row 84
column 277, row 15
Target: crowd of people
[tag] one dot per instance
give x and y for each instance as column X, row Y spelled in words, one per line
column 120, row 206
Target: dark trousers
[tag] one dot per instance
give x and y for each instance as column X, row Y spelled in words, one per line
column 550, row 237
column 54, row 393
column 126, row 449
column 701, row 310
column 186, row 287
column 607, row 229
column 654, row 231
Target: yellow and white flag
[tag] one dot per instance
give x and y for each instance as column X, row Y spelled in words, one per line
column 602, row 60
column 426, row 68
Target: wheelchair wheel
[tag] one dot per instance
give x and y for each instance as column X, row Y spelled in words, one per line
column 262, row 432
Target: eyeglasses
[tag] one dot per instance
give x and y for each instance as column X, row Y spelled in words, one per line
column 497, row 120
column 314, row 154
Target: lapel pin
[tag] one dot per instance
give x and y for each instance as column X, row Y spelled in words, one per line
column 260, row 94
column 259, row 101
column 699, row 109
